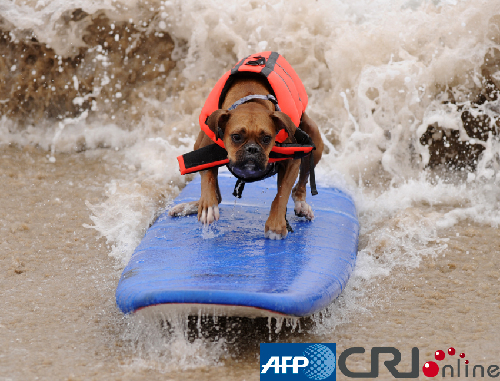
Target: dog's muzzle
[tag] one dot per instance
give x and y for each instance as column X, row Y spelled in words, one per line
column 250, row 162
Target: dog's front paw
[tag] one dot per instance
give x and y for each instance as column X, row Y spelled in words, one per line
column 302, row 209
column 272, row 235
column 208, row 213
column 275, row 228
column 184, row 209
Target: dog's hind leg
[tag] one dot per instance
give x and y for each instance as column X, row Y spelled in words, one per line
column 302, row 209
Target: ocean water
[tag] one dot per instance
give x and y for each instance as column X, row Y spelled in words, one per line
column 97, row 98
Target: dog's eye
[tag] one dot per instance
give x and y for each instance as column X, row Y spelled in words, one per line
column 236, row 138
column 266, row 139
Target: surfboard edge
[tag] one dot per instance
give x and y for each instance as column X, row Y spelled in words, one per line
column 205, row 309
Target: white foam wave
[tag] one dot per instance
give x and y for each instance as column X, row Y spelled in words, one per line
column 161, row 343
column 133, row 203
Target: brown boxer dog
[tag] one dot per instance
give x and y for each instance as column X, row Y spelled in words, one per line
column 249, row 133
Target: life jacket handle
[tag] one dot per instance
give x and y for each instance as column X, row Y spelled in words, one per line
column 248, row 98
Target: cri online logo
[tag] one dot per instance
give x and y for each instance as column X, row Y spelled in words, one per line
column 431, row 368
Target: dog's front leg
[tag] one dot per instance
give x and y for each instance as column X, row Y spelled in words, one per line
column 208, row 207
column 276, row 222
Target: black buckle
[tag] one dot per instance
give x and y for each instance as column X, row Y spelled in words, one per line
column 259, row 61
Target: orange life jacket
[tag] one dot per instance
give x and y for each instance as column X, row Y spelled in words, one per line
column 291, row 97
column 286, row 84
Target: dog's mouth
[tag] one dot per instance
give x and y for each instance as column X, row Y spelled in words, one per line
column 251, row 166
column 248, row 169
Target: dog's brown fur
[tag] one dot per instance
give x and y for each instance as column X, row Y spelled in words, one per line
column 253, row 123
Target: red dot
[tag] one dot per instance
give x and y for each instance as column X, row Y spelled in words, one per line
column 439, row 355
column 430, row 369
column 466, row 361
column 462, row 355
column 451, row 351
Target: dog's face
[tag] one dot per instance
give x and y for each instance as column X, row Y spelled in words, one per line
column 249, row 134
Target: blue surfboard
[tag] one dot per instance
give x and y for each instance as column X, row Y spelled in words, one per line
column 231, row 269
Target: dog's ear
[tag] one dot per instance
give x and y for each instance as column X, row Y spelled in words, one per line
column 217, row 122
column 283, row 122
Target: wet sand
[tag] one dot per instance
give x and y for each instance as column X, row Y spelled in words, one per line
column 59, row 320
column 57, row 278
column 448, row 301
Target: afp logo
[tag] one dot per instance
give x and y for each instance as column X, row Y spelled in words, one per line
column 297, row 362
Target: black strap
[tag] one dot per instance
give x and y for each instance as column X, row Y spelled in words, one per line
column 214, row 153
column 259, row 61
column 304, row 139
column 208, row 154
column 238, row 65
column 288, row 226
column 238, row 188
column 312, row 176
column 271, row 62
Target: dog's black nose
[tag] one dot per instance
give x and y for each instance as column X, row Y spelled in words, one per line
column 252, row 149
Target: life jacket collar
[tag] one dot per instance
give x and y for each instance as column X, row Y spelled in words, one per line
column 269, row 97
column 248, row 98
